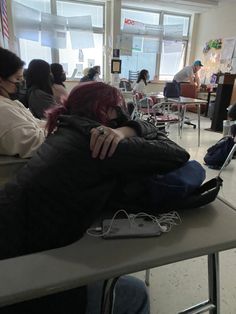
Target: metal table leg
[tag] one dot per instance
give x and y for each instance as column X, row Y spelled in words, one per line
column 108, row 297
column 213, row 304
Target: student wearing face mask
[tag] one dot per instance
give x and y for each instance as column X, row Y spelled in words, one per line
column 141, row 83
column 20, row 133
column 58, row 86
column 92, row 156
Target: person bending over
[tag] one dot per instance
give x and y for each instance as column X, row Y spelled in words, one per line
column 93, row 153
column 189, row 74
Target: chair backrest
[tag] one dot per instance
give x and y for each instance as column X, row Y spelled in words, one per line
column 125, row 84
column 171, row 90
column 133, row 76
column 188, row 90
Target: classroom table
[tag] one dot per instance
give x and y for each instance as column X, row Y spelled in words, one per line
column 203, row 231
column 182, row 103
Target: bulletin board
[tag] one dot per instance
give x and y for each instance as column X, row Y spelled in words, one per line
column 220, row 59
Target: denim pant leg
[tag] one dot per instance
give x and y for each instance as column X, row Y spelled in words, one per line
column 131, row 297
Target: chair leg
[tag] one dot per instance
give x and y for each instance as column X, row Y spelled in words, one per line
column 147, row 277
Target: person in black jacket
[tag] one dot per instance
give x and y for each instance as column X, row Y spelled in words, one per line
column 91, row 156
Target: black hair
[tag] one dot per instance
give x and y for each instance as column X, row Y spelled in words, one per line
column 58, row 73
column 91, row 73
column 38, row 75
column 142, row 76
column 10, row 63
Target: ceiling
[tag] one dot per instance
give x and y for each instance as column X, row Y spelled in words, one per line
column 183, row 6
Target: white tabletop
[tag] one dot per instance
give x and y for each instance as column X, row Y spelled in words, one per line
column 203, row 231
column 187, row 100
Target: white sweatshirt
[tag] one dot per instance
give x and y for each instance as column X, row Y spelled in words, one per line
column 20, row 132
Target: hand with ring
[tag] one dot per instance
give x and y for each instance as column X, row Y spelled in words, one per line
column 104, row 141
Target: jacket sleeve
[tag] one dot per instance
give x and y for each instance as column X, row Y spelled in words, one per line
column 138, row 155
column 143, row 128
column 23, row 140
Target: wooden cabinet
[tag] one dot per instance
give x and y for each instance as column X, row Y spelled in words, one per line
column 223, row 97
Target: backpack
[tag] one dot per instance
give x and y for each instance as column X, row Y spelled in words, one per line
column 182, row 188
column 217, row 154
column 171, row 90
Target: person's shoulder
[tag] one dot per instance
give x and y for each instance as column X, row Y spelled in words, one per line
column 9, row 105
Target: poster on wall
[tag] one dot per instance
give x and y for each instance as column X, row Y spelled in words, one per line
column 227, row 49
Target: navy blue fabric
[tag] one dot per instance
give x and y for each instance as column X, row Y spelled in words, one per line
column 172, row 90
column 176, row 185
column 217, row 154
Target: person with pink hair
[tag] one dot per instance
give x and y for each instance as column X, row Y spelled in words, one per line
column 92, row 157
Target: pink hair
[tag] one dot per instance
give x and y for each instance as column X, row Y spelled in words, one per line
column 90, row 99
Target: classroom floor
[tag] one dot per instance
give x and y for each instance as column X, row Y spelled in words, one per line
column 181, row 285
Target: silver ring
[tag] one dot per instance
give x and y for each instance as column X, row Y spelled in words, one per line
column 101, row 130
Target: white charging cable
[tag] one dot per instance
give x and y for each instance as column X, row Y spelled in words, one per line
column 164, row 221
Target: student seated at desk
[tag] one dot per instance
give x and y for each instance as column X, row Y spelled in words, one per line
column 141, row 83
column 92, row 153
column 20, row 132
column 58, row 86
column 39, row 88
column 90, row 76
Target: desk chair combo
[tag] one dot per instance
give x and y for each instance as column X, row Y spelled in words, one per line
column 186, row 90
column 155, row 111
column 133, row 76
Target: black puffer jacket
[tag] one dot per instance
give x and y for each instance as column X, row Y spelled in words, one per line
column 62, row 189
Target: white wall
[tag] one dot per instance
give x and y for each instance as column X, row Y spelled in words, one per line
column 214, row 24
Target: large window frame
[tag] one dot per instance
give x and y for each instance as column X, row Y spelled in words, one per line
column 54, row 55
column 185, row 38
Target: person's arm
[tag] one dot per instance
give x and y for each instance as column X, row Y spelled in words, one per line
column 149, row 150
column 136, row 155
column 104, row 145
column 197, row 81
column 104, row 140
column 22, row 140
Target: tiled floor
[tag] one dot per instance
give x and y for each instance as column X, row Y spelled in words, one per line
column 181, row 285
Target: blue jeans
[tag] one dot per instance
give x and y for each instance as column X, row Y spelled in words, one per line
column 131, row 297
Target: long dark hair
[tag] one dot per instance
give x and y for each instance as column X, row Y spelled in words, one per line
column 58, row 73
column 142, row 76
column 90, row 99
column 38, row 75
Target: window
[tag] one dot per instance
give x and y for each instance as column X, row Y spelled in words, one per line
column 74, row 59
column 166, row 53
column 172, row 62
column 31, row 49
column 70, row 58
column 178, row 20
